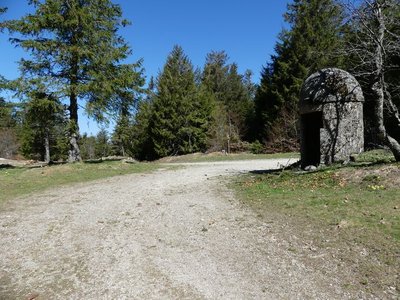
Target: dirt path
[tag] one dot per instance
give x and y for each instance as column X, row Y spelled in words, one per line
column 171, row 234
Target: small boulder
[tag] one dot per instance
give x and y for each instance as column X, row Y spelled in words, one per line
column 310, row 168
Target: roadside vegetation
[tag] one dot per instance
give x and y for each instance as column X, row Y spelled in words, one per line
column 350, row 212
column 15, row 182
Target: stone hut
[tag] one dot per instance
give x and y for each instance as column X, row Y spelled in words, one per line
column 331, row 118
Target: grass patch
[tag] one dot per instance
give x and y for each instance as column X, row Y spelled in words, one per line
column 353, row 207
column 16, row 182
column 376, row 156
column 328, row 196
column 218, row 156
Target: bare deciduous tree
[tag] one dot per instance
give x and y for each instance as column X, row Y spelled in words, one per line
column 374, row 42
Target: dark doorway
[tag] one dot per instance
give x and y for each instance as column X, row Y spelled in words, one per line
column 311, row 139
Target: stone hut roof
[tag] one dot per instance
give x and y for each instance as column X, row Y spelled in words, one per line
column 330, row 85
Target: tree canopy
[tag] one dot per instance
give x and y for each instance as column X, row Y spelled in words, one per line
column 76, row 54
column 179, row 116
column 78, row 60
column 308, row 45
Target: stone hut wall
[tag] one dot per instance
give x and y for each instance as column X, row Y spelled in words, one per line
column 334, row 97
column 343, row 131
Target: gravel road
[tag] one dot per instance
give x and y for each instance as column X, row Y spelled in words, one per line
column 170, row 234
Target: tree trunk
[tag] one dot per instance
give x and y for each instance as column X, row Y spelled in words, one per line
column 378, row 87
column 392, row 117
column 47, row 146
column 74, row 152
column 123, row 149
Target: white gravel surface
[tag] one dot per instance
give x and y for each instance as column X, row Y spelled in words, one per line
column 170, row 234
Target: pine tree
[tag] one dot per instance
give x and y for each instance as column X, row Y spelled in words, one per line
column 44, row 127
column 215, row 74
column 2, row 79
column 75, row 53
column 232, row 93
column 102, row 147
column 142, row 146
column 87, row 146
column 177, row 124
column 238, row 103
column 307, row 46
column 9, row 128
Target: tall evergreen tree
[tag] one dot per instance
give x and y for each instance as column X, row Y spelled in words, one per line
column 125, row 105
column 87, row 145
column 103, row 145
column 238, row 102
column 44, row 127
column 308, row 45
column 10, row 123
column 142, row 146
column 76, row 53
column 179, row 116
column 233, row 95
column 2, row 80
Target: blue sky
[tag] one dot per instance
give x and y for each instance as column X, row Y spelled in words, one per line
column 246, row 30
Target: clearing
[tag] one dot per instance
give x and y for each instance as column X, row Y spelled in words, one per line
column 175, row 233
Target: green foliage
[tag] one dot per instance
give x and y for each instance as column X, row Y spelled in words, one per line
column 308, row 45
column 375, row 156
column 190, row 111
column 75, row 52
column 179, row 114
column 87, row 146
column 103, row 145
column 142, row 146
column 219, row 130
column 121, row 135
column 44, row 128
column 233, row 94
column 257, row 147
column 95, row 147
column 8, row 114
column 10, row 123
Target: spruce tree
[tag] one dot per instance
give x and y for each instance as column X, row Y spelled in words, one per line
column 44, row 127
column 2, row 80
column 102, row 146
column 238, row 102
column 10, row 123
column 308, row 45
column 232, row 93
column 179, row 116
column 87, row 146
column 142, row 146
column 75, row 52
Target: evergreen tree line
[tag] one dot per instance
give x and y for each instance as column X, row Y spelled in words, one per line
column 361, row 37
column 76, row 59
column 190, row 110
